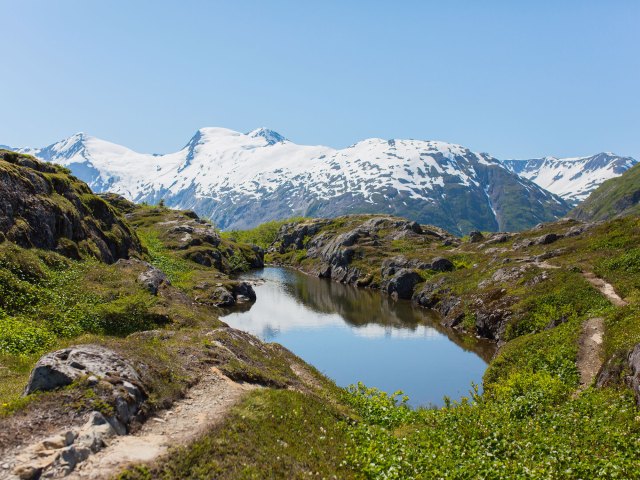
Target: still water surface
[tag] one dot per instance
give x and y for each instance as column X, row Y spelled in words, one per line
column 353, row 335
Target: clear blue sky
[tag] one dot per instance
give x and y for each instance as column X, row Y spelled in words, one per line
column 505, row 77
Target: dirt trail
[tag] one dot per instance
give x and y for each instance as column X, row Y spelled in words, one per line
column 605, row 288
column 590, row 359
column 590, row 351
column 204, row 406
column 544, row 264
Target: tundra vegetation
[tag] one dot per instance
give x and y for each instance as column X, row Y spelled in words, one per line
column 79, row 282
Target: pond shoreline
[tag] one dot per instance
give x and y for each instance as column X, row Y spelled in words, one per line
column 353, row 334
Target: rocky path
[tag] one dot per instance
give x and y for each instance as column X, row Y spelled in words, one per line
column 204, row 406
column 57, row 456
column 605, row 288
column 590, row 354
column 590, row 351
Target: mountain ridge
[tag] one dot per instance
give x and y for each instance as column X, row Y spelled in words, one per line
column 240, row 180
column 617, row 197
column 572, row 178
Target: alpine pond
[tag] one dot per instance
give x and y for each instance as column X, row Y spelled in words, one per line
column 353, row 335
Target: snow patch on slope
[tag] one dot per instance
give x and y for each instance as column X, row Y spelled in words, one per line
column 572, row 178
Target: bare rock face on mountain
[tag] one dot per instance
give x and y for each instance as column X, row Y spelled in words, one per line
column 43, row 206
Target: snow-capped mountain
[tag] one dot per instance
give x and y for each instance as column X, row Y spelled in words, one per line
column 572, row 178
column 240, row 180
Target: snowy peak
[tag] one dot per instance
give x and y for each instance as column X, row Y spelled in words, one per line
column 242, row 179
column 269, row 135
column 572, row 178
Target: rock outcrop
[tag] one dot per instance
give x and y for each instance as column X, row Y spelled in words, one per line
column 225, row 295
column 43, row 206
column 152, row 278
column 102, row 369
column 401, row 283
column 336, row 252
column 63, row 367
column 198, row 240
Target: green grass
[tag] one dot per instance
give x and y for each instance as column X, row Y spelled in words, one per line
column 65, row 300
column 564, row 297
column 47, row 301
column 271, row 434
column 522, row 434
column 178, row 270
column 263, row 235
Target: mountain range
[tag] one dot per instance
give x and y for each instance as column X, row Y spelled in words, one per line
column 572, row 178
column 240, row 180
column 617, row 197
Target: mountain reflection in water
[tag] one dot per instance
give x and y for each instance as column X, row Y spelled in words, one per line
column 353, row 334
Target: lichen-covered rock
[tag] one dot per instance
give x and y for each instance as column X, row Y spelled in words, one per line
column 437, row 264
column 152, row 278
column 95, row 432
column 62, row 367
column 547, row 239
column 206, row 258
column 43, row 206
column 498, row 238
column 429, row 295
column 292, row 236
column 221, row 297
column 402, row 283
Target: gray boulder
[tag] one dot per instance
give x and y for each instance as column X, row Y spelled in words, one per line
column 223, row 298
column 402, row 283
column 429, row 295
column 547, row 239
column 153, row 278
column 475, row 236
column 62, row 367
column 391, row 265
column 245, row 289
column 441, row 264
column 95, row 432
column 498, row 238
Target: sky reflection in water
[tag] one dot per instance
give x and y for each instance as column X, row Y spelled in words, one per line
column 356, row 335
